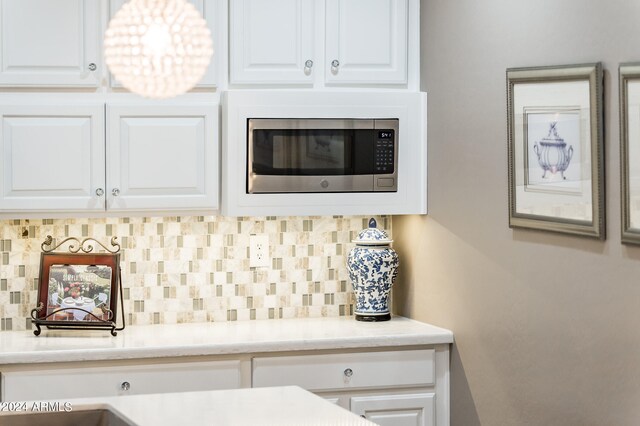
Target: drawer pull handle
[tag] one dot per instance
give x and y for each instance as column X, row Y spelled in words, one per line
column 125, row 386
column 348, row 372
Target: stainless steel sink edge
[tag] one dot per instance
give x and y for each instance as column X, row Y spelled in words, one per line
column 100, row 414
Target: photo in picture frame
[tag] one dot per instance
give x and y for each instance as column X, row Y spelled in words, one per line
column 555, row 149
column 629, row 85
column 78, row 288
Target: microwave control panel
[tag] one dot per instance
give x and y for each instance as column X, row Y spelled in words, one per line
column 384, row 152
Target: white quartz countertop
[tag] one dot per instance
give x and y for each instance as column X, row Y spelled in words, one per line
column 236, row 337
column 278, row 406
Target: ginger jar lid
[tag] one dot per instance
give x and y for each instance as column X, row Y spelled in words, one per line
column 372, row 236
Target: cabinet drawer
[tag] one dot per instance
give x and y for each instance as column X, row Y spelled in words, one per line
column 119, row 380
column 347, row 370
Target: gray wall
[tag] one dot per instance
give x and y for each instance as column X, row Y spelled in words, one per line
column 547, row 326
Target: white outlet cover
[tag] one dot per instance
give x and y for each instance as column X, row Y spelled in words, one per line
column 259, row 251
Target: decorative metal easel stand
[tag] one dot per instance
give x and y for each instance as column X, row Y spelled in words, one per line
column 98, row 324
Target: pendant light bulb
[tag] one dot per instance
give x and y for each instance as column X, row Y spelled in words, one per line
column 158, row 48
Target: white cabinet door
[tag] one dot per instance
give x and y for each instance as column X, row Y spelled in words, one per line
column 162, row 157
column 271, row 41
column 82, row 382
column 50, row 43
column 366, row 42
column 211, row 11
column 397, row 410
column 52, row 157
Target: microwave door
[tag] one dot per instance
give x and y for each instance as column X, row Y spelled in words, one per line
column 311, row 159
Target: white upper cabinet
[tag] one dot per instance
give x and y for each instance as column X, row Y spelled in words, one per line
column 162, row 157
column 366, row 41
column 212, row 13
column 272, row 42
column 324, row 43
column 50, row 43
column 52, row 157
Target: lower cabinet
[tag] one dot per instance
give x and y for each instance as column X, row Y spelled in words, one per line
column 396, row 410
column 392, row 407
column 390, row 388
column 48, row 383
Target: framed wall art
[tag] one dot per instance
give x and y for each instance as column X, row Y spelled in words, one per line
column 555, row 149
column 629, row 81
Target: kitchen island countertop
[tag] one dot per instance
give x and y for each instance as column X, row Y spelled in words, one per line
column 277, row 406
column 196, row 339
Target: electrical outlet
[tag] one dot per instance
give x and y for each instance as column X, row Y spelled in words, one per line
column 258, row 250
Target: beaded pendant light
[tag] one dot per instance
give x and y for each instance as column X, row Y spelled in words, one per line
column 158, row 48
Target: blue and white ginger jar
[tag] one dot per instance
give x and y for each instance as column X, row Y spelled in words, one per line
column 372, row 266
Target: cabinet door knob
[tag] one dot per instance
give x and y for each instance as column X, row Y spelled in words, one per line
column 308, row 64
column 125, row 386
column 115, row 192
column 348, row 372
column 92, row 66
column 99, row 192
column 334, row 66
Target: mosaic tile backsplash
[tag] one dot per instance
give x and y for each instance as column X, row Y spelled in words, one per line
column 196, row 268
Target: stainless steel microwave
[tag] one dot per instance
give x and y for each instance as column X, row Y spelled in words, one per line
column 322, row 155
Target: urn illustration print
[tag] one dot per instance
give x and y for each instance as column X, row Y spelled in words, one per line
column 372, row 266
column 552, row 153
